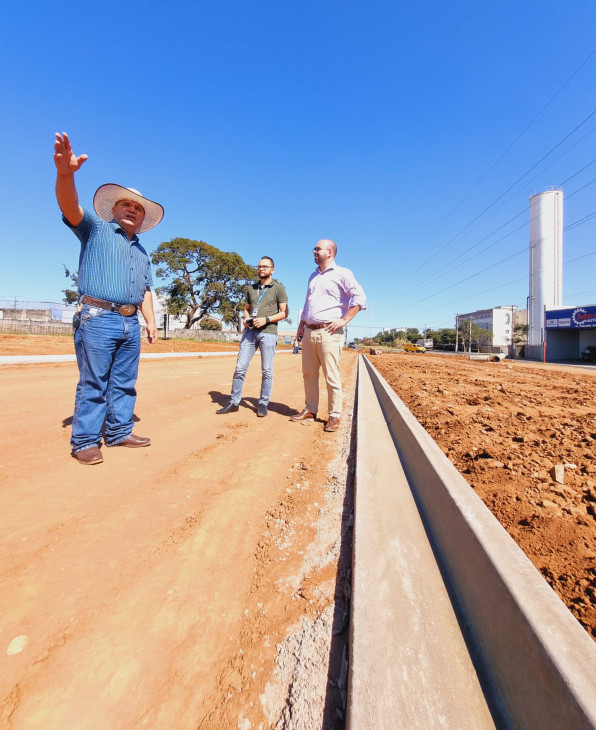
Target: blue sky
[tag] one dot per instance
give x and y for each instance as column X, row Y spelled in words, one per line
column 412, row 134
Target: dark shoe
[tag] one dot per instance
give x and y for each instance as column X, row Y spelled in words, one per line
column 133, row 442
column 332, row 424
column 89, row 456
column 262, row 411
column 230, row 408
column 306, row 415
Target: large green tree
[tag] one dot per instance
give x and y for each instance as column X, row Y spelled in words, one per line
column 472, row 332
column 443, row 336
column 70, row 295
column 202, row 280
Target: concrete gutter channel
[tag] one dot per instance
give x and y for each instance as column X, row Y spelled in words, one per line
column 452, row 626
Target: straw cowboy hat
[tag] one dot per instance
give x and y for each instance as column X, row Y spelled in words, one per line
column 106, row 197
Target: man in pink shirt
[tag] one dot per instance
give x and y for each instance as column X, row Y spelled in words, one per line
column 333, row 298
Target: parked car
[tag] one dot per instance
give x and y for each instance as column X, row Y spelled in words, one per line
column 412, row 347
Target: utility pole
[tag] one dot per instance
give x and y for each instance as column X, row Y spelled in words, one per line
column 512, row 351
column 456, row 332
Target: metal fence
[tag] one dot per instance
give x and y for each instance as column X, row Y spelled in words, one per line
column 32, row 327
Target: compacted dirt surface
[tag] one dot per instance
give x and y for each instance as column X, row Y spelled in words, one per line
column 524, row 436
column 190, row 584
column 203, row 582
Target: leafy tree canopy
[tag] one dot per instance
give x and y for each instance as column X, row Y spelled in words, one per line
column 443, row 336
column 520, row 334
column 201, row 280
column 71, row 295
column 210, row 323
column 472, row 332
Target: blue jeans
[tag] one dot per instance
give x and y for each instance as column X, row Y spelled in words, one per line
column 108, row 347
column 266, row 342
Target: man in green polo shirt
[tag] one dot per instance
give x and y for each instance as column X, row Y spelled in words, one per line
column 266, row 304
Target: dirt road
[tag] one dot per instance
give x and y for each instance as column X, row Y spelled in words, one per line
column 175, row 586
column 156, row 589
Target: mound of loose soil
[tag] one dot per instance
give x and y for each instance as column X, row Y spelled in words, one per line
column 523, row 436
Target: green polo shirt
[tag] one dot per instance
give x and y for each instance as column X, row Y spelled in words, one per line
column 266, row 305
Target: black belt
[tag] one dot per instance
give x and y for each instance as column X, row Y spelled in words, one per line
column 126, row 310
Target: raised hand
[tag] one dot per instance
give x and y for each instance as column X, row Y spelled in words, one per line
column 67, row 163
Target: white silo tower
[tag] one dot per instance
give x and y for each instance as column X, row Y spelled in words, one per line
column 546, row 260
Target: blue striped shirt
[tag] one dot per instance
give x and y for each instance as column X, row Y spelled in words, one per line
column 111, row 266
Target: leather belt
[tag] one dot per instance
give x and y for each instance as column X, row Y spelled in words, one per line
column 318, row 326
column 126, row 310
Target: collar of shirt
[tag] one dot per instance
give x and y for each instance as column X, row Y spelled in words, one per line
column 119, row 229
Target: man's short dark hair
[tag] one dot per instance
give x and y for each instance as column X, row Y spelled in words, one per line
column 270, row 259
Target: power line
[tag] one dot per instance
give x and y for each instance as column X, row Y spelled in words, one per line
column 416, row 287
column 452, row 264
column 488, row 207
column 580, row 294
column 580, row 222
column 494, row 164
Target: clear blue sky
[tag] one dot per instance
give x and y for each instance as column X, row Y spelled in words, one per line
column 412, row 134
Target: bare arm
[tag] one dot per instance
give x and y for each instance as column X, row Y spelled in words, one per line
column 149, row 317
column 67, row 163
column 282, row 314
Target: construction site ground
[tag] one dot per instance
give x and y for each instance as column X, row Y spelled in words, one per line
column 523, row 435
column 203, row 582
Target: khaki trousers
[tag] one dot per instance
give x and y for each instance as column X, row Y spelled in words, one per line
column 322, row 350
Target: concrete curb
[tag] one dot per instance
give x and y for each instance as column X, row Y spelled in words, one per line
column 536, row 663
column 409, row 665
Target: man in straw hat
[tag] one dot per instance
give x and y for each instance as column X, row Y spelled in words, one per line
column 114, row 282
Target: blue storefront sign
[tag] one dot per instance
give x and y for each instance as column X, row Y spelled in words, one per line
column 578, row 317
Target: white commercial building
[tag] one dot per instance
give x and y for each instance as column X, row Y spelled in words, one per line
column 499, row 321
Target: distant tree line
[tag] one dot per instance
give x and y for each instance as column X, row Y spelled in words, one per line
column 445, row 338
column 440, row 337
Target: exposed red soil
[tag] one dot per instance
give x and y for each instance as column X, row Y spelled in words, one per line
column 63, row 345
column 523, row 435
column 158, row 589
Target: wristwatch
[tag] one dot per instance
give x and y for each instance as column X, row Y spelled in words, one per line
column 267, row 320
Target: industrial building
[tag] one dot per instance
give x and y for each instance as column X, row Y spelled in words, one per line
column 570, row 333
column 555, row 332
column 499, row 322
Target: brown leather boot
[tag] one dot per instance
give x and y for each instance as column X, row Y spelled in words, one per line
column 306, row 415
column 89, row 456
